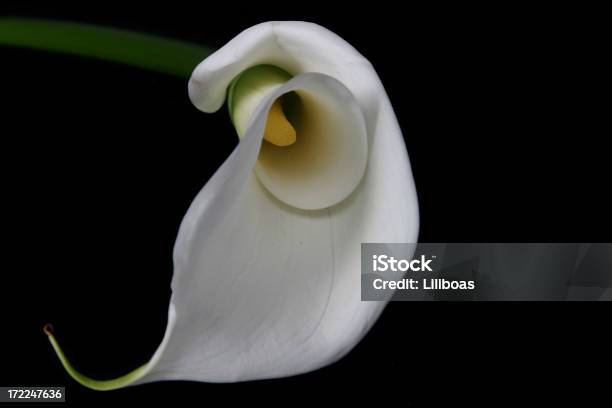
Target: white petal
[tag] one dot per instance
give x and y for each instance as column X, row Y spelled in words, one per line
column 254, row 277
column 277, row 288
column 262, row 289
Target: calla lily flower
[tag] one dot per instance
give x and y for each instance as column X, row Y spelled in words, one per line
column 267, row 260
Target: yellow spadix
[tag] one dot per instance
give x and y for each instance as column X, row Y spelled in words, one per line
column 248, row 90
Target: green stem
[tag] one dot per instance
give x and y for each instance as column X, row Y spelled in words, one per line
column 145, row 51
column 100, row 385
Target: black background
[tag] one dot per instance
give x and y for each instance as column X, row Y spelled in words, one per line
column 499, row 109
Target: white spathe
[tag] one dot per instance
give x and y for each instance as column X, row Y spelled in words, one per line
column 262, row 289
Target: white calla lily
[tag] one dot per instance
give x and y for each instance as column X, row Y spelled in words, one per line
column 267, row 260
